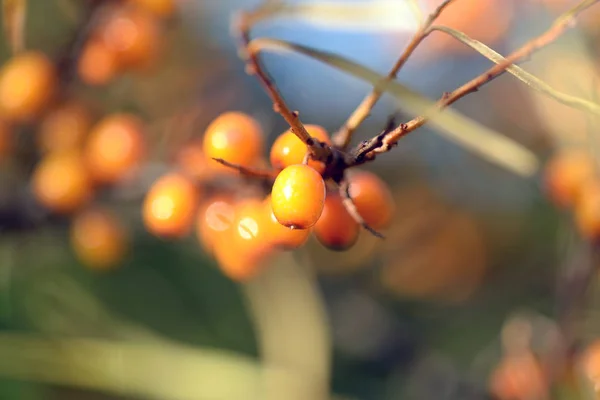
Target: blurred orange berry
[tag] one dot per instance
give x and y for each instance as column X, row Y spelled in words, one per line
column 169, row 207
column 133, row 36
column 242, row 250
column 298, row 196
column 565, row 175
column 280, row 236
column 214, row 217
column 191, row 160
column 115, row 147
column 64, row 127
column 289, row 150
column 336, row 229
column 589, row 365
column 587, row 210
column 160, row 8
column 27, row 84
column 372, row 198
column 519, row 377
column 61, row 182
column 98, row 238
column 234, row 137
column 97, row 64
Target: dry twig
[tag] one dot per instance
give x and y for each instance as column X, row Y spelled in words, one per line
column 344, row 135
column 248, row 171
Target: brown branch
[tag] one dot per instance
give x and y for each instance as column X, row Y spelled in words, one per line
column 243, row 24
column 381, row 145
column 344, row 135
column 344, row 188
column 248, row 171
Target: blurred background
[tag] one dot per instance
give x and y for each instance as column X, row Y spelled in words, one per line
column 473, row 246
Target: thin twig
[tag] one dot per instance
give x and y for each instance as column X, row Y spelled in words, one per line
column 344, row 135
column 344, row 188
column 248, row 171
column 243, row 24
column 560, row 25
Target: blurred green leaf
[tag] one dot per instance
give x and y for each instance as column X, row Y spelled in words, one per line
column 13, row 19
column 474, row 136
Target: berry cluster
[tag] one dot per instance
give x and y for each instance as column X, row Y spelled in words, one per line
column 244, row 212
column 79, row 152
column 572, row 182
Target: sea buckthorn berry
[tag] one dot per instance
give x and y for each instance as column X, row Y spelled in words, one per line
column 372, row 198
column 587, row 210
column 242, row 250
column 115, row 147
column 234, row 137
column 288, row 150
column 589, row 366
column 64, row 127
column 132, row 35
column 519, row 377
column 297, row 196
column 27, row 84
column 280, row 236
column 169, row 207
column 98, row 239
column 214, row 217
column 160, row 8
column 565, row 175
column 61, row 182
column 97, row 64
column 336, row 229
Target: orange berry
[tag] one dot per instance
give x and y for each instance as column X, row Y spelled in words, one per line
column 191, row 161
column 372, row 198
column 280, row 236
column 288, row 150
column 214, row 218
column 97, row 64
column 565, row 174
column 160, row 8
column 234, row 137
column 589, row 365
column 169, row 207
column 6, row 140
column 64, row 127
column 587, row 210
column 132, row 35
column 336, row 229
column 98, row 238
column 27, row 84
column 243, row 249
column 519, row 377
column 61, row 182
column 115, row 147
column 297, row 196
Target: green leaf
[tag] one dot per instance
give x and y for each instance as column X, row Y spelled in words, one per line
column 13, row 19
column 470, row 134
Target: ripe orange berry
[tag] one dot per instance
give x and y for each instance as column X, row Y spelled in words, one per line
column 372, row 198
column 234, row 137
column 115, row 147
column 214, row 217
column 587, row 210
column 64, row 127
column 97, row 64
column 565, row 174
column 289, row 150
column 61, row 182
column 519, row 377
column 280, row 236
column 589, row 365
column 98, row 238
column 160, row 8
column 243, row 249
column 336, row 229
column 297, row 196
column 132, row 35
column 27, row 84
column 169, row 207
